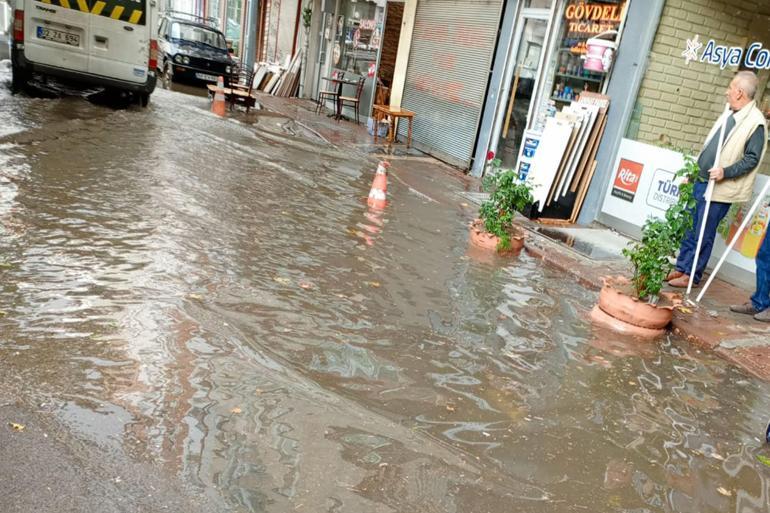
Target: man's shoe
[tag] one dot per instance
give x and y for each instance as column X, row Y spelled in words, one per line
column 745, row 308
column 763, row 316
column 674, row 275
column 682, row 282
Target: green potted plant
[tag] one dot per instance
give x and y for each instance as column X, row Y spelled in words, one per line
column 495, row 228
column 638, row 302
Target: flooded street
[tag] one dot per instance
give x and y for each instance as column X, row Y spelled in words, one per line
column 212, row 297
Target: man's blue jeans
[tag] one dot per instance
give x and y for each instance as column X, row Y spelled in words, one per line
column 761, row 298
column 717, row 211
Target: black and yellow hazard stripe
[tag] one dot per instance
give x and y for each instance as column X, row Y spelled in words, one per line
column 121, row 10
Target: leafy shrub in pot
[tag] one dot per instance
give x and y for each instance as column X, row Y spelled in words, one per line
column 638, row 302
column 661, row 238
column 508, row 195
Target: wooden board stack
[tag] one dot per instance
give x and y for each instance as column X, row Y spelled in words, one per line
column 289, row 82
column 582, row 180
column 557, row 138
column 566, row 158
column 276, row 80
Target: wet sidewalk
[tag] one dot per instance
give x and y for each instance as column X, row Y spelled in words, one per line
column 586, row 253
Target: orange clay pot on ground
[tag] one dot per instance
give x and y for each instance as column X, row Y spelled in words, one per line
column 599, row 317
column 482, row 239
column 620, row 310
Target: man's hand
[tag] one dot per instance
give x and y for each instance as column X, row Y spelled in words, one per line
column 716, row 173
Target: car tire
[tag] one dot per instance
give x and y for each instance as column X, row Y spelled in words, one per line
column 144, row 99
column 167, row 78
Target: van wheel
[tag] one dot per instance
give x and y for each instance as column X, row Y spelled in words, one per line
column 144, row 99
column 18, row 78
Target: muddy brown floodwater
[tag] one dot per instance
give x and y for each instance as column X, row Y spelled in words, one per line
column 214, row 298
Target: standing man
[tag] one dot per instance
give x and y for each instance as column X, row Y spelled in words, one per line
column 759, row 306
column 744, row 146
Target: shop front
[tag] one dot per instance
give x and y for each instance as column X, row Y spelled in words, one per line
column 548, row 108
column 446, row 79
column 681, row 95
column 542, row 67
column 350, row 42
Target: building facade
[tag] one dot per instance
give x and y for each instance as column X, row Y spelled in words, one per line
column 481, row 73
column 697, row 48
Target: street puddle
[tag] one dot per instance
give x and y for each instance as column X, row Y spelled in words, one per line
column 220, row 300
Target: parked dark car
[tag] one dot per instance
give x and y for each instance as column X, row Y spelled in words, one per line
column 191, row 50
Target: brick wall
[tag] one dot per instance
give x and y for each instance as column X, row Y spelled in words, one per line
column 390, row 39
column 678, row 103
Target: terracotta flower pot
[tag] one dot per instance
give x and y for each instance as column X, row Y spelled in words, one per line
column 483, row 239
column 599, row 317
column 617, row 300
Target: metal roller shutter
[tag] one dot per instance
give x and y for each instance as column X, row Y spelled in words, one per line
column 452, row 47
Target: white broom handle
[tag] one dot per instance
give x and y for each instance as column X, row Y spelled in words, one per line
column 702, row 231
column 730, row 246
column 707, row 197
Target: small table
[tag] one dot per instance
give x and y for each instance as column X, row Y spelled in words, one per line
column 381, row 111
column 338, row 82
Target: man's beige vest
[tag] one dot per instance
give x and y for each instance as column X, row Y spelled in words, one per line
column 738, row 190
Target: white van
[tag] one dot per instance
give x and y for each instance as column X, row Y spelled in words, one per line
column 109, row 43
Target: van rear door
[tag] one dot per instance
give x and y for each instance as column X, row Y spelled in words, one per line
column 120, row 39
column 56, row 33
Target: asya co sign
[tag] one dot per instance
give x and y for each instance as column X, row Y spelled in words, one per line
column 755, row 56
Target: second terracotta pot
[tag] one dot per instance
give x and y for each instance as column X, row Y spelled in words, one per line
column 483, row 239
column 600, row 317
column 616, row 301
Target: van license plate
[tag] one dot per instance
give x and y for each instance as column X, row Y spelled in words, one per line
column 58, row 35
column 204, row 76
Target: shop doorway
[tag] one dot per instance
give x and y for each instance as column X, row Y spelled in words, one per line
column 531, row 35
column 390, row 37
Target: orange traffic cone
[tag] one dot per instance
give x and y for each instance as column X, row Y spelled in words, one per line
column 378, row 193
column 218, row 105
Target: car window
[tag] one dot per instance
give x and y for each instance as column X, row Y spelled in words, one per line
column 195, row 34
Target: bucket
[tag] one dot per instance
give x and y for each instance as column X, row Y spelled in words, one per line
column 599, row 53
column 382, row 127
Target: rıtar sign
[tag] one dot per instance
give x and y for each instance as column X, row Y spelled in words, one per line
column 756, row 56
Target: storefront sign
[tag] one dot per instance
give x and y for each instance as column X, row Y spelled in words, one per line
column 650, row 171
column 664, row 190
column 589, row 19
column 756, row 56
column 367, row 25
column 627, row 178
column 527, row 153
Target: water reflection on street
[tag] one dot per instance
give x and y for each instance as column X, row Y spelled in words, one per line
column 214, row 296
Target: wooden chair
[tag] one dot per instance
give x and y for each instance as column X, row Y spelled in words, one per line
column 382, row 94
column 241, row 87
column 324, row 96
column 353, row 101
